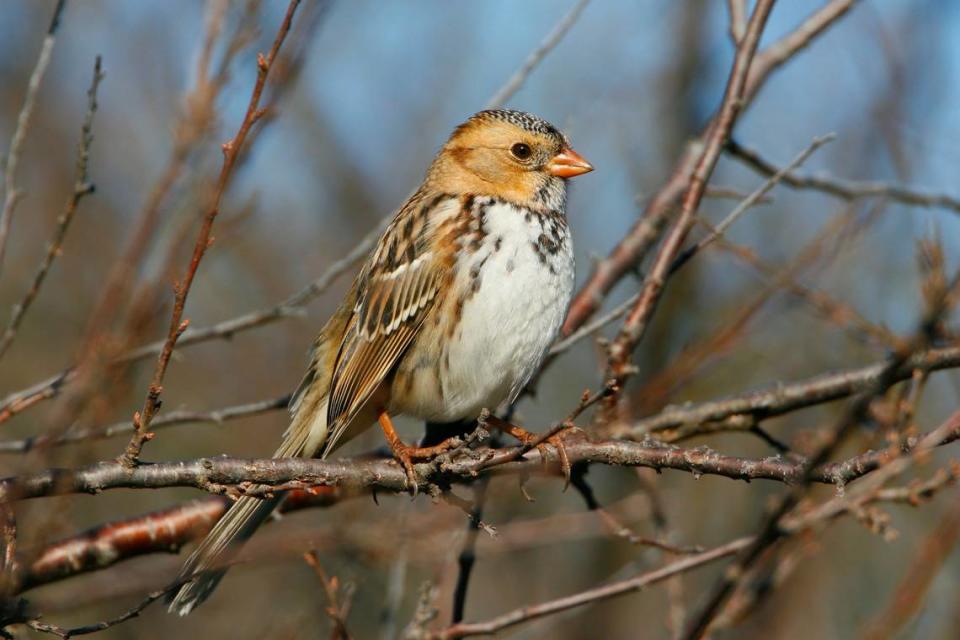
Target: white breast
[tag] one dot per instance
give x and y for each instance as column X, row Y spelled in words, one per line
column 526, row 270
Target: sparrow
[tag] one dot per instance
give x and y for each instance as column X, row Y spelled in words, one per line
column 451, row 314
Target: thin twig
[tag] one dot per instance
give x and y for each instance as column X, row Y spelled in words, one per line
column 81, row 187
column 336, row 610
column 738, row 19
column 169, row 419
column 468, row 555
column 531, row 612
column 50, row 387
column 592, row 327
column 231, row 151
column 844, row 189
column 909, row 595
column 781, row 398
column 830, row 308
column 638, row 241
column 637, row 320
column 671, row 423
column 853, row 416
column 12, row 193
column 96, row 627
column 536, row 56
column 747, row 203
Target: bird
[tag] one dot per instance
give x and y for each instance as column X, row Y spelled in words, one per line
column 451, row 314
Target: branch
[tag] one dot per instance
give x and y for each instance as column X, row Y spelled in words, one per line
column 232, row 475
column 670, row 424
column 639, row 316
column 532, row 612
column 536, row 56
column 790, row 526
column 12, row 193
column 641, row 237
column 778, row 400
column 87, row 629
column 19, row 401
column 231, row 151
column 169, row 529
column 771, row 530
column 169, row 419
column 754, row 198
column 163, row 531
column 844, row 189
column 81, row 187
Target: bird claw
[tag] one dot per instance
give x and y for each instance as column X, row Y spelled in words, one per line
column 405, row 455
column 557, row 441
column 529, row 439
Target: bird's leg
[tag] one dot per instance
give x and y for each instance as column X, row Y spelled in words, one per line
column 406, row 454
column 528, row 438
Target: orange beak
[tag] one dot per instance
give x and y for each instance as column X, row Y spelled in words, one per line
column 567, row 164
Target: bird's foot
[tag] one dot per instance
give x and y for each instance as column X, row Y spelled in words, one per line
column 532, row 440
column 406, row 454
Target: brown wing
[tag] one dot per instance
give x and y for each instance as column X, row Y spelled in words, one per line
column 396, row 289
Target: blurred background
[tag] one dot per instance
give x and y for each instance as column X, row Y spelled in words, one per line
column 373, row 90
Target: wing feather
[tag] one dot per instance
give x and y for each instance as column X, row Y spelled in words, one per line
column 396, row 290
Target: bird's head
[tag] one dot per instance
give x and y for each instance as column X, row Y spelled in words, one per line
column 509, row 154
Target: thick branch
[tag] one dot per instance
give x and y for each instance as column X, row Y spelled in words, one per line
column 164, row 531
column 218, row 475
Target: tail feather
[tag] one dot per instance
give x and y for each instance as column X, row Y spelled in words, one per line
column 210, row 560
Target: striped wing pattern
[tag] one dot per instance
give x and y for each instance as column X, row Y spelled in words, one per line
column 396, row 289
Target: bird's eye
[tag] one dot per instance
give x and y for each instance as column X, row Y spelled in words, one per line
column 521, row 151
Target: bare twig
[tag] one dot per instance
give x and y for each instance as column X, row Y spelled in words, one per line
column 747, row 203
column 672, row 423
column 789, row 526
column 855, row 414
column 592, row 327
column 537, row 55
column 780, row 399
column 909, row 595
column 111, row 328
column 336, row 610
column 638, row 318
column 81, row 187
column 169, row 419
column 19, row 401
column 96, row 627
column 830, row 308
column 468, row 556
column 738, row 19
column 844, row 189
column 12, row 193
column 531, row 612
column 231, row 151
column 642, row 236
